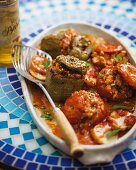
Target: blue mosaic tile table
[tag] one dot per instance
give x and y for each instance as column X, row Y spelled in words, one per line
column 21, row 144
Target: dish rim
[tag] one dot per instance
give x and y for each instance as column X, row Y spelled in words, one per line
column 112, row 34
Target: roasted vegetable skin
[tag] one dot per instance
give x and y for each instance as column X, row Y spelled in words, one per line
column 64, row 77
column 61, row 88
column 72, row 63
column 50, row 44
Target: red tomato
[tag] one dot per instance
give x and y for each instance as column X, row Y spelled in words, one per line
column 128, row 72
column 111, row 85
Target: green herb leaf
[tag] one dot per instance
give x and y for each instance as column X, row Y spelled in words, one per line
column 47, row 115
column 115, row 107
column 91, row 90
column 94, row 47
column 112, row 133
column 118, row 57
column 88, row 65
column 46, row 63
column 101, row 74
column 124, row 61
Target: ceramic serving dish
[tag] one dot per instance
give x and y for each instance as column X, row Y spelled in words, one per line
column 93, row 153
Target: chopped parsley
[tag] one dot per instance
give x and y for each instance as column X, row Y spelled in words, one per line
column 101, row 74
column 47, row 114
column 118, row 57
column 91, row 90
column 112, row 133
column 88, row 65
column 46, row 63
column 124, row 61
column 115, row 107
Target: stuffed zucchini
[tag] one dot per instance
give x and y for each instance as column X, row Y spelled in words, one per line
column 65, row 76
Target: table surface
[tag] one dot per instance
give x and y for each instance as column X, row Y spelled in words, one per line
column 21, row 144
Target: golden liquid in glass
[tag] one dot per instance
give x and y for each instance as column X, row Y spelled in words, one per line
column 9, row 30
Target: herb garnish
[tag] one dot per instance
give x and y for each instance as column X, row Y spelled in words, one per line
column 88, row 65
column 101, row 74
column 46, row 63
column 118, row 57
column 47, row 115
column 115, row 107
column 112, row 133
column 91, row 90
column 124, row 61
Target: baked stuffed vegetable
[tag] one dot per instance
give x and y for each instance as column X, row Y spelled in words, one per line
column 65, row 76
column 67, row 42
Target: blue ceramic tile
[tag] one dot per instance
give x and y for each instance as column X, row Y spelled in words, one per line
column 116, row 29
column 2, row 155
column 8, row 140
column 9, row 159
column 3, row 110
column 56, row 153
column 12, row 94
column 18, row 152
column 132, row 165
column 53, row 160
column 13, row 78
column 31, row 166
column 22, row 146
column 2, row 93
column 11, row 70
column 4, row 81
column 44, row 167
column 7, row 88
column 28, row 136
column 10, row 107
column 18, row 101
column 19, row 91
column 2, row 69
column 14, row 131
column 56, row 168
column 118, row 159
column 16, row 84
column 20, row 163
column 66, row 162
column 128, row 155
column 4, row 101
column 8, row 148
column 124, row 33
column 27, row 117
column 33, row 35
column 41, row 158
column 120, row 167
column 18, row 112
column 13, row 116
column 132, row 37
column 29, row 156
column 107, row 26
column 23, row 106
column 1, row 143
column 41, row 141
column 25, row 40
column 40, row 30
column 3, row 124
column 38, row 150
